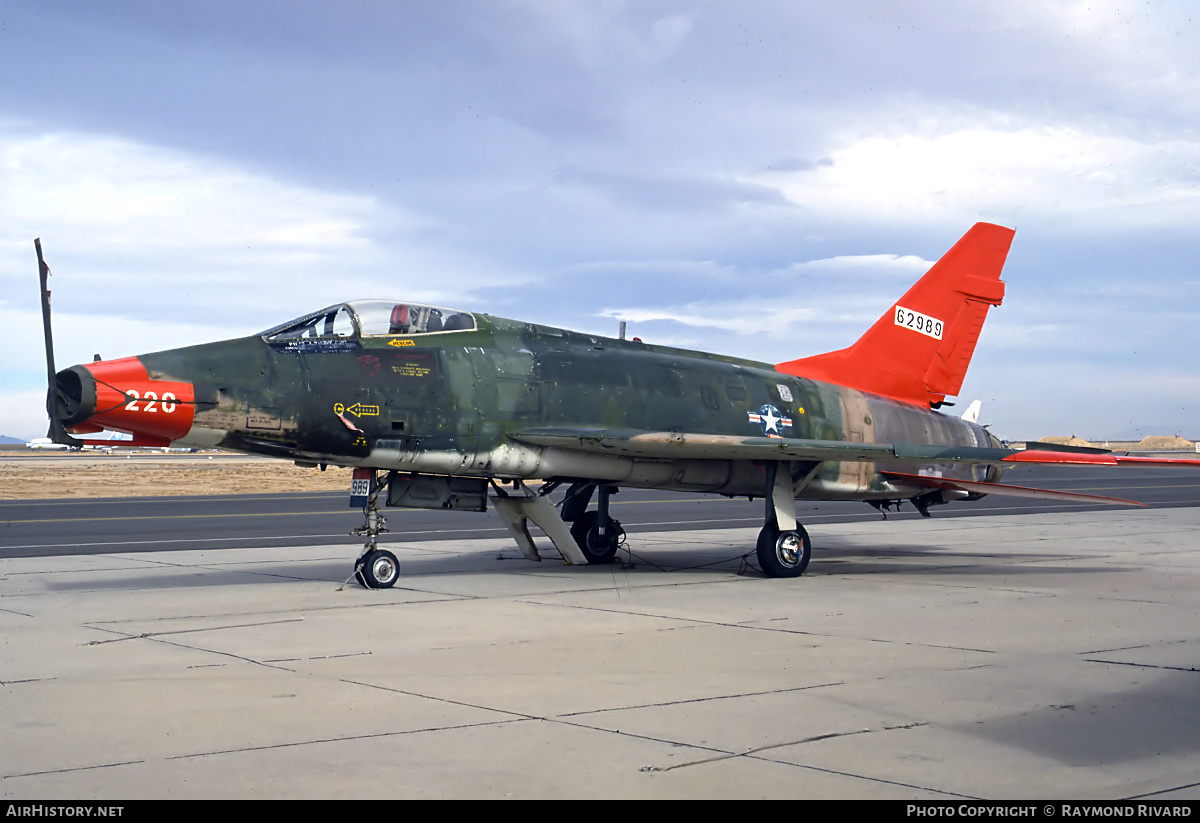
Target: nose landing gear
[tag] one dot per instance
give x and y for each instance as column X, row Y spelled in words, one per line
column 375, row 568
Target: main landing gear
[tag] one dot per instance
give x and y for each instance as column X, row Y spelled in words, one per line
column 784, row 548
column 783, row 554
column 593, row 536
column 598, row 543
column 597, row 534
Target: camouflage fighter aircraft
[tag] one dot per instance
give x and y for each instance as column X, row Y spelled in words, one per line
column 433, row 405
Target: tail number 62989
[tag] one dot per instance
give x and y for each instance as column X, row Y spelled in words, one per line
column 916, row 321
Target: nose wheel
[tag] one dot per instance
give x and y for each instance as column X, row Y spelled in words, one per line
column 377, row 569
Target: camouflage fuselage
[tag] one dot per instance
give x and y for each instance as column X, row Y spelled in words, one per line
column 447, row 403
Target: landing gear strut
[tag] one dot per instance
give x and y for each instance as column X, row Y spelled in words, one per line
column 783, row 548
column 375, row 568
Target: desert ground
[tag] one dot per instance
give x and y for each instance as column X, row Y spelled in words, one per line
column 39, row 475
column 45, row 475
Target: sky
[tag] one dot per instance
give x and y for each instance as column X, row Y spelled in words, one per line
column 756, row 178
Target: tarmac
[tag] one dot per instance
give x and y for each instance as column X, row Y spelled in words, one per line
column 997, row 657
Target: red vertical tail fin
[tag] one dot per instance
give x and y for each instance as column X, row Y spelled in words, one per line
column 919, row 351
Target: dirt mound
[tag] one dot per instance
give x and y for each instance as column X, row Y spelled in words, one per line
column 1065, row 441
column 1159, row 442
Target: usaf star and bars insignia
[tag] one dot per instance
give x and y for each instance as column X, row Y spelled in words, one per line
column 770, row 421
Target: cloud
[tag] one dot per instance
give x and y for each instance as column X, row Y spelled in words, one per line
column 152, row 248
column 804, row 308
column 167, row 228
column 604, row 36
column 677, row 192
column 572, row 163
column 1080, row 179
column 118, row 193
column 138, row 230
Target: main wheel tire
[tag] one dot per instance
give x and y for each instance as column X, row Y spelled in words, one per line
column 378, row 569
column 783, row 554
column 596, row 548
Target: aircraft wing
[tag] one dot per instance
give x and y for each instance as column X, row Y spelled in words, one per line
column 680, row 445
column 694, row 446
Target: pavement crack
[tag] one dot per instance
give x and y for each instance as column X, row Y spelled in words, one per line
column 1136, row 646
column 517, row 715
column 148, row 635
column 752, row 627
column 160, row 637
column 340, row 739
column 760, row 749
column 68, row 770
column 699, row 700
column 1141, row 665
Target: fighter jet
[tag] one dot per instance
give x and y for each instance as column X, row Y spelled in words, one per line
column 436, row 407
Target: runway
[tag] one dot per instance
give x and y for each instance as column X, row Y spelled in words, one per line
column 98, row 526
column 996, row 656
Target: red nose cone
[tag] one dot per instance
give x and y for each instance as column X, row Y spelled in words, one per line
column 128, row 400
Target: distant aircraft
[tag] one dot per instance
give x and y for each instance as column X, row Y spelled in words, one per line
column 102, row 444
column 434, row 405
column 46, row 444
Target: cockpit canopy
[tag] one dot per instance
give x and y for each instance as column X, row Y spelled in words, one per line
column 373, row 318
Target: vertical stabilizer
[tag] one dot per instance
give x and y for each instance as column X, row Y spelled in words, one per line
column 918, row 352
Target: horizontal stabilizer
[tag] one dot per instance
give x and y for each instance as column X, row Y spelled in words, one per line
column 976, row 487
column 1094, row 457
